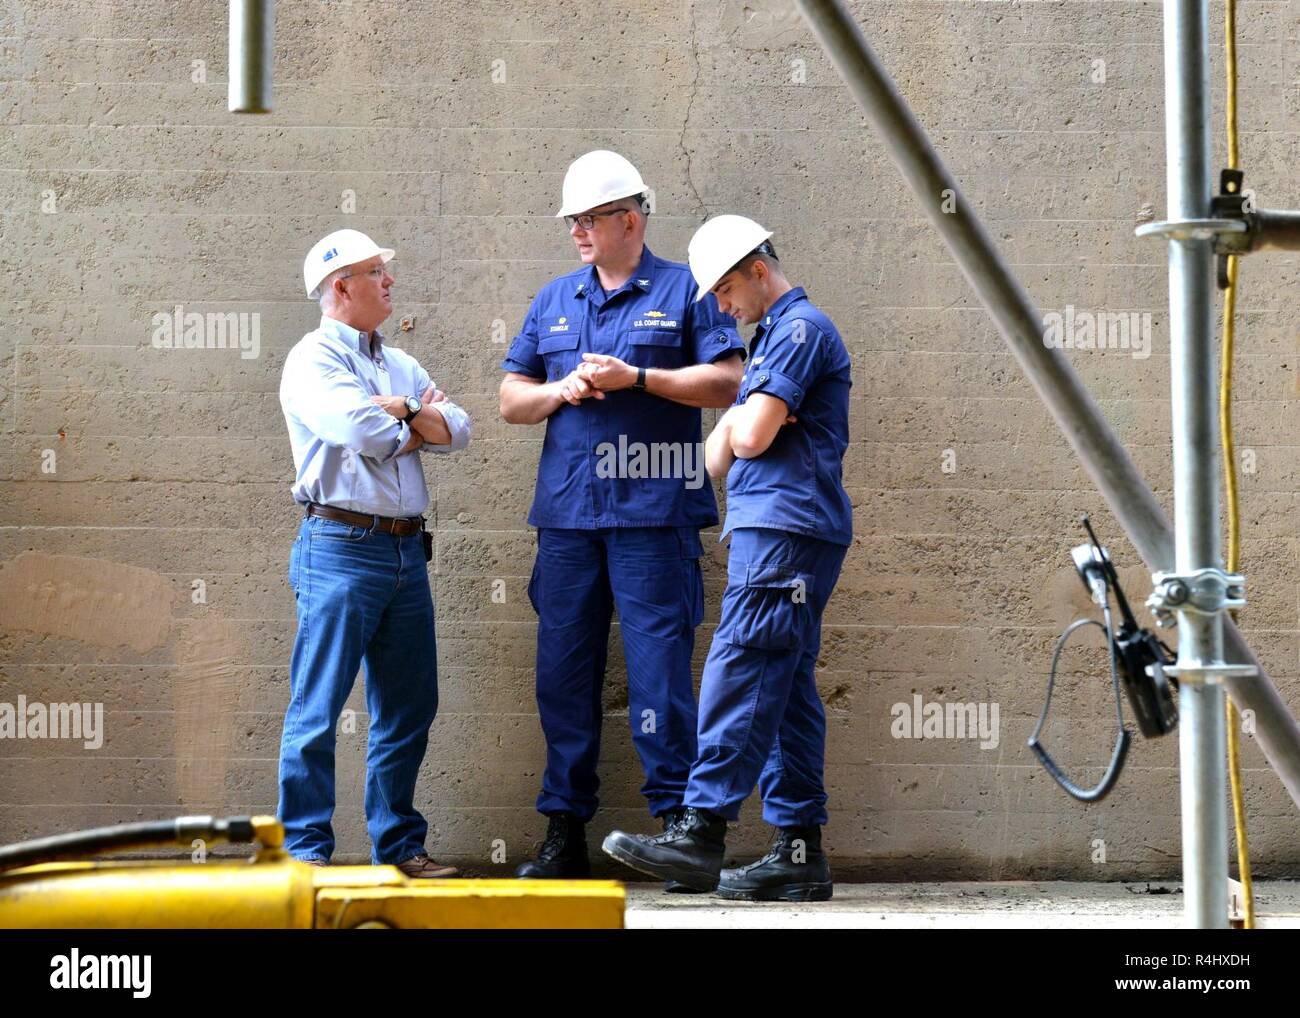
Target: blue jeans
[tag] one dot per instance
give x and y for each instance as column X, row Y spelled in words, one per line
column 652, row 576
column 760, row 716
column 363, row 598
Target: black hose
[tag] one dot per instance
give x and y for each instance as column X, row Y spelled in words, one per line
column 1120, row 752
column 122, row 837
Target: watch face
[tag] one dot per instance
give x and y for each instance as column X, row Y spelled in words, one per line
column 413, row 405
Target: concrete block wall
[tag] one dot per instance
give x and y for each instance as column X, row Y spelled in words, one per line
column 146, row 524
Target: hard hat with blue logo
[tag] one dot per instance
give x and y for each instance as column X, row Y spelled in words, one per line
column 340, row 248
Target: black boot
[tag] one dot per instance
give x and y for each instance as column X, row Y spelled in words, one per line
column 676, row 886
column 690, row 851
column 563, row 855
column 794, row 869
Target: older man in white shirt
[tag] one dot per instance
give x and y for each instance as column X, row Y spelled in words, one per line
column 357, row 411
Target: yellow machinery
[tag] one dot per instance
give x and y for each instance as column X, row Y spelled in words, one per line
column 269, row 891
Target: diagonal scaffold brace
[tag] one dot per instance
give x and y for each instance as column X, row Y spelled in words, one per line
column 1213, row 656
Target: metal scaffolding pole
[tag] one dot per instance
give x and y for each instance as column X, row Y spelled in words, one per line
column 1202, row 737
column 1021, row 326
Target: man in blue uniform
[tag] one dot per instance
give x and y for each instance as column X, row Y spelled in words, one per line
column 781, row 448
column 617, row 358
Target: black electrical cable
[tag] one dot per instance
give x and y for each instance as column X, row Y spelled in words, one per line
column 1102, row 789
column 121, row 837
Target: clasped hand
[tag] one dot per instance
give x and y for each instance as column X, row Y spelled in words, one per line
column 597, row 374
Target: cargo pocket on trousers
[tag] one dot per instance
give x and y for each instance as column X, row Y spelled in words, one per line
column 532, row 587
column 695, row 592
column 770, row 611
column 688, row 542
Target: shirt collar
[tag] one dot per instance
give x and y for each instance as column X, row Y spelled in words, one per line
column 642, row 279
column 644, row 276
column 341, row 330
column 779, row 308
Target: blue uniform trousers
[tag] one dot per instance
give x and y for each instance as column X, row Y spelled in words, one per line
column 652, row 576
column 760, row 716
column 363, row 598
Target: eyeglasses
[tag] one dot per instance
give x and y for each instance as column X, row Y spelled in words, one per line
column 589, row 220
column 378, row 272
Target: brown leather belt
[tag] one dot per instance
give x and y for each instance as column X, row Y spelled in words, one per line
column 401, row 526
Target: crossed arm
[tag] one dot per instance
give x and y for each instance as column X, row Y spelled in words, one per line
column 745, row 431
column 427, row 426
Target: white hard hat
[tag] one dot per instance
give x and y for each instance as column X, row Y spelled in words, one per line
column 597, row 178
column 718, row 245
column 340, row 248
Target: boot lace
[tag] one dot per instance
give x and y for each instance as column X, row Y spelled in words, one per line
column 773, row 853
column 557, row 834
column 679, row 818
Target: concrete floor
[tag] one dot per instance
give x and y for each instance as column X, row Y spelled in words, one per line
column 1010, row 905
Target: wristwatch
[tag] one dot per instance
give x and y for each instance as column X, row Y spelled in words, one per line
column 413, row 407
column 640, row 379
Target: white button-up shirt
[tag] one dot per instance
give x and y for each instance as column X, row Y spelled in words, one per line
column 344, row 446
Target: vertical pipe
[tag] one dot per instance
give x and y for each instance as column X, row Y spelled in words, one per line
column 252, row 48
column 1203, row 741
column 1202, row 748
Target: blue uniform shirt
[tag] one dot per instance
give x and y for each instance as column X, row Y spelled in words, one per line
column 798, row 356
column 630, row 459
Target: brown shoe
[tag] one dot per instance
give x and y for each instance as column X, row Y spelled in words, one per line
column 421, row 867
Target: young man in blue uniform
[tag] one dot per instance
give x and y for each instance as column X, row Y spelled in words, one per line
column 781, row 447
column 617, row 358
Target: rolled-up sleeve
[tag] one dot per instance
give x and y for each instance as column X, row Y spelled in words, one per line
column 457, row 423
column 522, row 358
column 332, row 403
column 711, row 335
column 796, row 353
column 457, row 420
